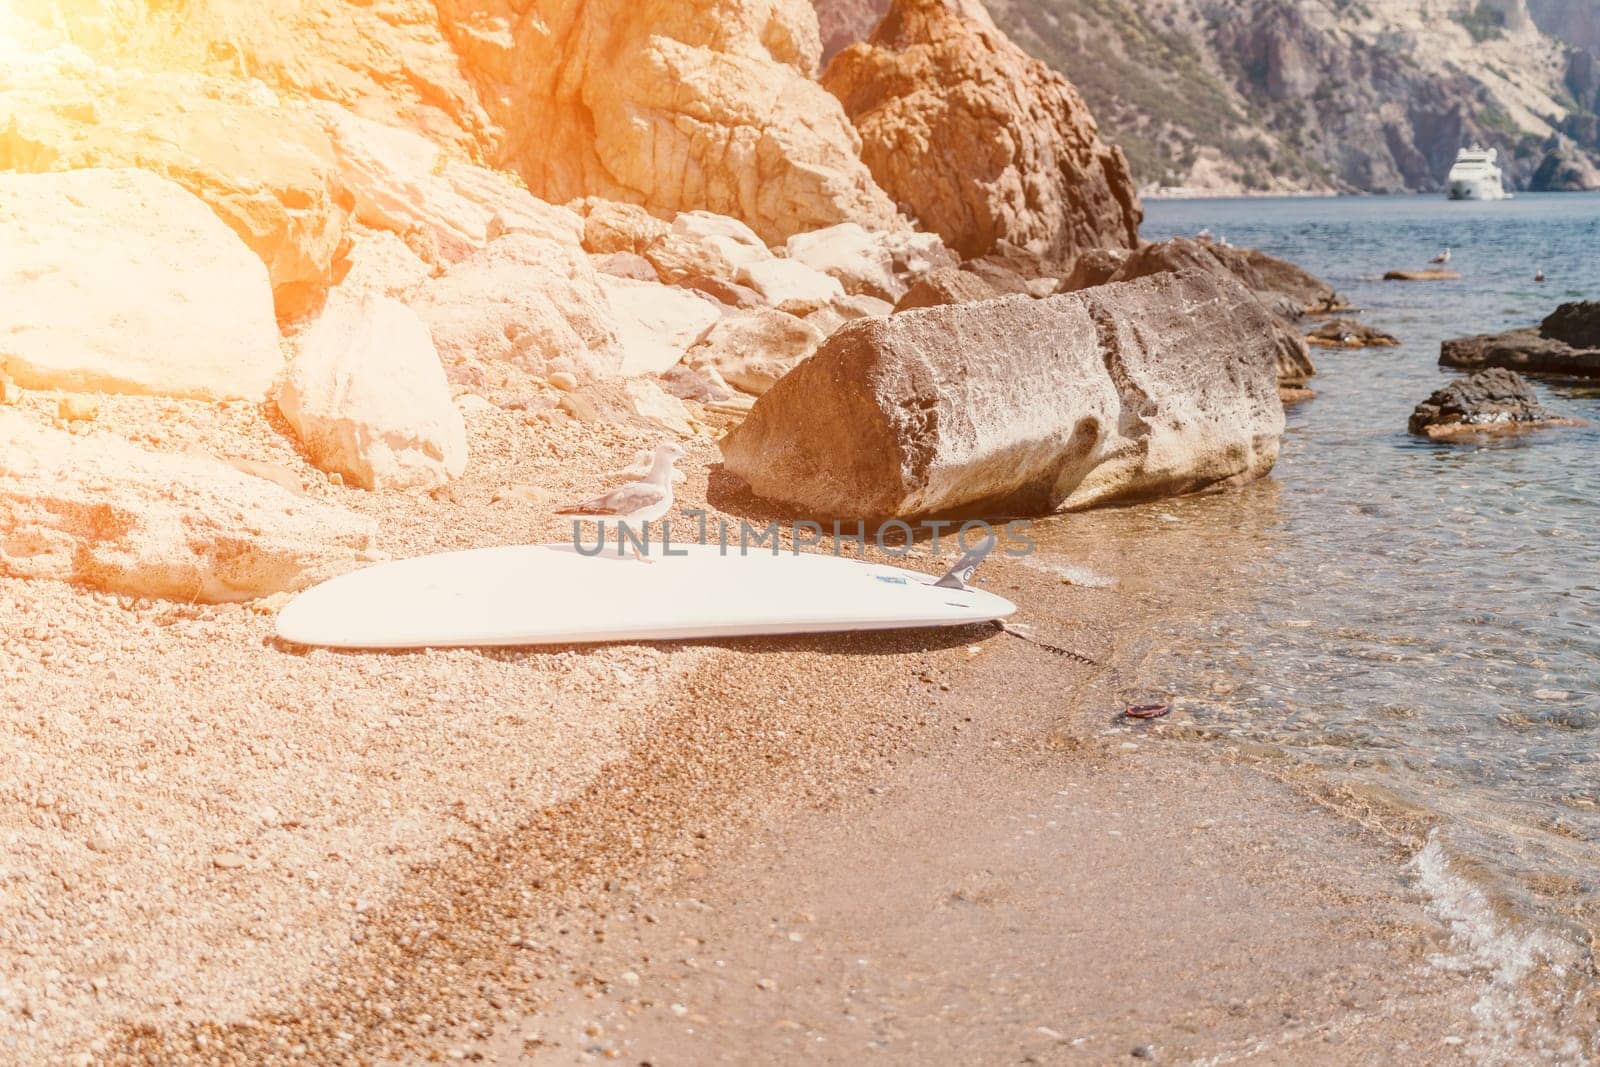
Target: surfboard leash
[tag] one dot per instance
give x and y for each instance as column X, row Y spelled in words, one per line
column 1000, row 624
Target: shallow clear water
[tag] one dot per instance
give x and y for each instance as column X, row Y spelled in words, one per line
column 1419, row 616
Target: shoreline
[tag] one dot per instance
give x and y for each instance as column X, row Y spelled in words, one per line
column 405, row 896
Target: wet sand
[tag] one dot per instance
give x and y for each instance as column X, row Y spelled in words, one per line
column 222, row 850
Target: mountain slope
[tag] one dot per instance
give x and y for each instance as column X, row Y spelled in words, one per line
column 1239, row 96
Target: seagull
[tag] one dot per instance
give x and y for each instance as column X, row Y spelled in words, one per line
column 1538, row 275
column 637, row 502
column 1443, row 257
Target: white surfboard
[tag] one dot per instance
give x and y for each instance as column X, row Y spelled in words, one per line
column 552, row 594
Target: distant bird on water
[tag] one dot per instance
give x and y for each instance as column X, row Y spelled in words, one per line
column 637, row 502
column 1442, row 258
column 1538, row 276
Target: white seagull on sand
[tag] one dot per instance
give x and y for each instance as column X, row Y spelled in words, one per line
column 1443, row 257
column 637, row 502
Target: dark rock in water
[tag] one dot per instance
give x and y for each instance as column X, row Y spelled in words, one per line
column 1303, row 291
column 1348, row 333
column 1095, row 267
column 1577, row 324
column 1525, row 350
column 1017, row 406
column 1421, row 276
column 948, row 286
column 1492, row 401
column 1566, row 342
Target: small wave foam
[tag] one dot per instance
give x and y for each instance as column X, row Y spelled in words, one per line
column 1068, row 571
column 1523, row 975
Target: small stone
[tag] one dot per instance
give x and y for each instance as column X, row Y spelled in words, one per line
column 77, row 408
column 629, row 978
column 566, row 381
column 227, row 861
column 679, row 1010
column 1143, row 1052
column 766, row 984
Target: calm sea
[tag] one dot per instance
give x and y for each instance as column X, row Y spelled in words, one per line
column 1421, row 621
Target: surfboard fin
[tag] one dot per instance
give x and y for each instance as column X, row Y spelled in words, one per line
column 958, row 576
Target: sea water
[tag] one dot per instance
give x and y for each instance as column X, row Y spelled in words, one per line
column 1418, row 621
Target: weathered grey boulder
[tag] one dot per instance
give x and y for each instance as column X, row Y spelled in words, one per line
column 1283, row 289
column 1019, row 406
column 1492, row 401
column 1566, row 342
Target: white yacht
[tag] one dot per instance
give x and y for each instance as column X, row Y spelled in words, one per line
column 1476, row 176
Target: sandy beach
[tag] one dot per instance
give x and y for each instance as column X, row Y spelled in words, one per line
column 270, row 854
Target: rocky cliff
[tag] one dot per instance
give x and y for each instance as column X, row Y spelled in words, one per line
column 980, row 142
column 1239, row 96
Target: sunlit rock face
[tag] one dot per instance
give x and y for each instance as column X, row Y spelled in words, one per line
column 120, row 281
column 102, row 512
column 277, row 191
column 668, row 104
column 368, row 399
column 671, row 105
column 986, row 146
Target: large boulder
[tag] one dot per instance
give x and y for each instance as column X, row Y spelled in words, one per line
column 265, row 166
column 122, row 281
column 671, row 105
column 979, row 140
column 860, row 260
column 1287, row 290
column 656, row 324
column 1282, row 288
column 947, row 286
column 102, row 512
column 751, row 350
column 1567, row 342
column 368, row 399
column 1491, row 401
column 790, row 285
column 523, row 303
column 1021, row 406
column 401, row 181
